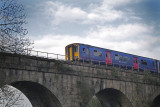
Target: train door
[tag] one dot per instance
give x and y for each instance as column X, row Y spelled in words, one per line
column 76, row 52
column 70, row 53
column 135, row 63
column 108, row 58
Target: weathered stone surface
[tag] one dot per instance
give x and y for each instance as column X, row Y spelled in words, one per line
column 49, row 82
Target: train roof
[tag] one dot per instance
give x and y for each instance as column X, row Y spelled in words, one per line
column 112, row 50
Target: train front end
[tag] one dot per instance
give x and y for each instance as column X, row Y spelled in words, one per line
column 72, row 52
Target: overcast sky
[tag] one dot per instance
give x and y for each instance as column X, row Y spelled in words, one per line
column 131, row 26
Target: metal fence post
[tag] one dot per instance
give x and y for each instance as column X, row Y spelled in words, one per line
column 57, row 56
column 27, row 51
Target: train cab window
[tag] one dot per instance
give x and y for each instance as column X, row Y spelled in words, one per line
column 106, row 55
column 153, row 64
column 84, row 50
column 67, row 50
column 144, row 62
column 76, row 48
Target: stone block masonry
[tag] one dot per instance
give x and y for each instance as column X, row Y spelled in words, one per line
column 49, row 82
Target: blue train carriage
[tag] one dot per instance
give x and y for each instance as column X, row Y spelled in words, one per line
column 129, row 61
column 147, row 64
column 103, row 56
column 91, row 53
column 122, row 60
column 82, row 52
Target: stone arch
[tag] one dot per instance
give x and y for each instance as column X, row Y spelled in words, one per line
column 38, row 95
column 156, row 102
column 111, row 97
column 156, row 99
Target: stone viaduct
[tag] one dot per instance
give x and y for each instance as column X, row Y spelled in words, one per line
column 54, row 83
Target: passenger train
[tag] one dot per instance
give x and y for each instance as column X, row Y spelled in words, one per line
column 83, row 52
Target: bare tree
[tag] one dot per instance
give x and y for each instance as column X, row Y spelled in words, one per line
column 94, row 102
column 10, row 97
column 12, row 33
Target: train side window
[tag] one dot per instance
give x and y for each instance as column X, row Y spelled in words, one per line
column 109, row 56
column 97, row 53
column 116, row 57
column 144, row 62
column 88, row 52
column 120, row 57
column 100, row 54
column 135, row 60
column 153, row 64
column 95, row 50
column 84, row 50
column 76, row 48
column 126, row 59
